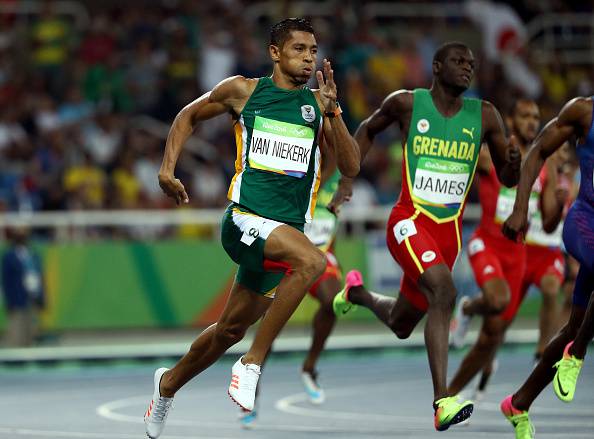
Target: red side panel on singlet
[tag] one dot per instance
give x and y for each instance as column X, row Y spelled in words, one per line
column 489, row 187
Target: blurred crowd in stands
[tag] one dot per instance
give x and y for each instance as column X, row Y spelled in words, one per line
column 84, row 110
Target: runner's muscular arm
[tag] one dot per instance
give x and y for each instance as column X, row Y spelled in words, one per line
column 483, row 165
column 346, row 156
column 336, row 134
column 229, row 95
column 504, row 153
column 391, row 110
column 552, row 201
column 572, row 120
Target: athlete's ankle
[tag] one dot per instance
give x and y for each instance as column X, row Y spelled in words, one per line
column 519, row 404
column 576, row 350
column 467, row 308
column 165, row 388
column 440, row 396
column 250, row 359
column 357, row 295
column 308, row 368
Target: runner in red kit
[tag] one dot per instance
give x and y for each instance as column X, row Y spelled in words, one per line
column 545, row 262
column 498, row 264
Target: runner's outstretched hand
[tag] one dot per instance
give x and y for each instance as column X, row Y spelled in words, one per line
column 327, row 86
column 174, row 188
column 342, row 195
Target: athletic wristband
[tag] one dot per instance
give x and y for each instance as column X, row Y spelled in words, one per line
column 337, row 111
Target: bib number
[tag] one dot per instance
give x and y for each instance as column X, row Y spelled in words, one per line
column 441, row 182
column 280, row 147
column 404, row 229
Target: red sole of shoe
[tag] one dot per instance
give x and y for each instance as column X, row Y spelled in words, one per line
column 240, row 406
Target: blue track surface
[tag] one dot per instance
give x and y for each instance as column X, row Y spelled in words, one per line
column 369, row 395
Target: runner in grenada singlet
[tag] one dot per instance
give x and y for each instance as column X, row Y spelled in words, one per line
column 498, row 264
column 567, row 350
column 277, row 130
column 443, row 132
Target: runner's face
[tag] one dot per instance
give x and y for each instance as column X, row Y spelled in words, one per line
column 297, row 57
column 458, row 69
column 526, row 121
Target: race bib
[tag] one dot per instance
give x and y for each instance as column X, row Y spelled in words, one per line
column 281, row 147
column 441, row 182
column 404, row 229
column 505, row 204
column 536, row 234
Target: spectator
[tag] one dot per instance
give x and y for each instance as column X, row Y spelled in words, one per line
column 126, row 186
column 85, row 183
column 101, row 138
column 23, row 287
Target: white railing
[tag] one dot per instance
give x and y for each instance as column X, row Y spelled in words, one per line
column 71, row 224
column 369, row 9
column 570, row 34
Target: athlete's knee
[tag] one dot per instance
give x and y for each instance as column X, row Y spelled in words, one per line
column 549, row 293
column 230, row 333
column 401, row 331
column 497, row 304
column 327, row 310
column 489, row 339
column 312, row 263
column 442, row 296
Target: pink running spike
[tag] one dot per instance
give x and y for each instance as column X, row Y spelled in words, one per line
column 507, row 407
column 353, row 279
column 566, row 353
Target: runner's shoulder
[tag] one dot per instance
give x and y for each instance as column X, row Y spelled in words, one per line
column 578, row 111
column 488, row 107
column 398, row 102
column 490, row 116
column 235, row 87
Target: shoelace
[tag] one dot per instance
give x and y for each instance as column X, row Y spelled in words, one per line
column 523, row 425
column 251, row 377
column 571, row 367
column 161, row 409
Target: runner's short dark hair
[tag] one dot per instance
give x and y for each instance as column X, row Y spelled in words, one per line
column 281, row 31
column 442, row 53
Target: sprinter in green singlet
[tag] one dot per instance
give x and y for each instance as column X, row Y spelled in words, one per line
column 322, row 233
column 282, row 129
column 443, row 133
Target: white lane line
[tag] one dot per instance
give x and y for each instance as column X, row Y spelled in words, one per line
column 88, row 435
column 288, row 405
column 109, row 411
